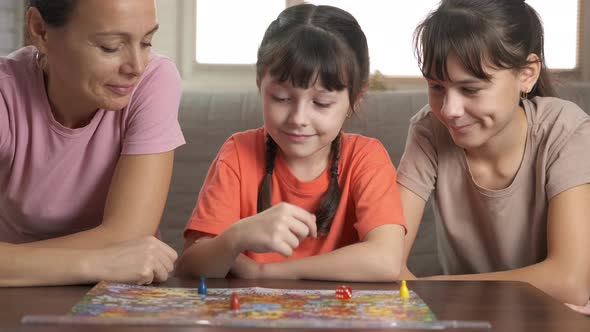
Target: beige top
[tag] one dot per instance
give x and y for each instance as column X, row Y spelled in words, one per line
column 481, row 230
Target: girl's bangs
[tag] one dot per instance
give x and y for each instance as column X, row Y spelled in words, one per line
column 451, row 33
column 307, row 55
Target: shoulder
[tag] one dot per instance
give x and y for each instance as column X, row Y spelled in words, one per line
column 555, row 110
column 158, row 92
column 160, row 72
column 17, row 68
column 159, row 64
column 20, row 80
column 556, row 119
column 425, row 127
column 359, row 149
column 358, row 142
column 242, row 147
column 424, row 117
column 245, row 140
column 425, row 123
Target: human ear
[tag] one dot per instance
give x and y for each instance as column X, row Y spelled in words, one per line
column 359, row 99
column 37, row 29
column 529, row 74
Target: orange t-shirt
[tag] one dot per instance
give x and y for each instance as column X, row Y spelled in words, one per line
column 370, row 197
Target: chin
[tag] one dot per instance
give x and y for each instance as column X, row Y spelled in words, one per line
column 113, row 105
column 467, row 143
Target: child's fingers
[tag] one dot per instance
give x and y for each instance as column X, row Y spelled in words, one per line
column 307, row 218
column 291, row 240
column 282, row 248
column 300, row 229
column 309, row 222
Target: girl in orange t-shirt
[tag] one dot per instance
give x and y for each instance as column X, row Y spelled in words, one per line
column 298, row 198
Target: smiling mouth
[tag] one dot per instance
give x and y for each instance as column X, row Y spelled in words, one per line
column 122, row 90
column 297, row 137
column 461, row 128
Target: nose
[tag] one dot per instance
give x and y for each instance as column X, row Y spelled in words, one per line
column 135, row 62
column 298, row 114
column 452, row 106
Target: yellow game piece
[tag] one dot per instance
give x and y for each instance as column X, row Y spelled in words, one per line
column 404, row 293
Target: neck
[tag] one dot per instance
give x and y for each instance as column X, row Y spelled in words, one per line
column 511, row 139
column 309, row 168
column 66, row 109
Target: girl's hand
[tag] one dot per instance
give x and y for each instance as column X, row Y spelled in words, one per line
column 278, row 229
column 247, row 268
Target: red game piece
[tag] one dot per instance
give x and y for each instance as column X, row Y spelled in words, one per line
column 235, row 303
column 343, row 292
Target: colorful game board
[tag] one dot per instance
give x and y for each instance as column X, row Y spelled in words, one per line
column 111, row 303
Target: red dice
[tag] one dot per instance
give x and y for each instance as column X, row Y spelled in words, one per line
column 343, row 292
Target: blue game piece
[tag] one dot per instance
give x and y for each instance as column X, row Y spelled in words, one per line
column 202, row 287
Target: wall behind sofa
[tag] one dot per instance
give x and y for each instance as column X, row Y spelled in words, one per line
column 11, row 12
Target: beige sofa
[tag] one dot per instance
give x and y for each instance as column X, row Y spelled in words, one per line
column 208, row 119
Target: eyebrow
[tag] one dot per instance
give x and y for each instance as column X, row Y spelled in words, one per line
column 287, row 85
column 468, row 81
column 465, row 81
column 125, row 34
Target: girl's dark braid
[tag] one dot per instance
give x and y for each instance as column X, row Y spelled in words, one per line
column 328, row 202
column 265, row 190
column 331, row 198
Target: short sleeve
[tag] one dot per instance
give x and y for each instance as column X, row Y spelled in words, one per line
column 375, row 193
column 568, row 164
column 218, row 205
column 5, row 133
column 152, row 115
column 418, row 165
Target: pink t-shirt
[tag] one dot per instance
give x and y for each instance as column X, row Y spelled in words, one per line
column 54, row 180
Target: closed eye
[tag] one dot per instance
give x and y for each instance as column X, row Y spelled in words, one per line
column 471, row 91
column 279, row 99
column 322, row 105
column 109, row 49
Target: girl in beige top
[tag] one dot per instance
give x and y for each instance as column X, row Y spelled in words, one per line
column 507, row 162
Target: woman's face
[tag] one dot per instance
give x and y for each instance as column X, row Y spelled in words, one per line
column 97, row 58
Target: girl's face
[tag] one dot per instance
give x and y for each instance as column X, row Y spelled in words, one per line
column 303, row 122
column 97, row 58
column 474, row 110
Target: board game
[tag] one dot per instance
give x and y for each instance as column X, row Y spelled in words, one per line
column 113, row 303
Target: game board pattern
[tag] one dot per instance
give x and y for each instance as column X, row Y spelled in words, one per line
column 273, row 307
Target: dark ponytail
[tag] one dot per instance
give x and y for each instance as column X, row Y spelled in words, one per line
column 543, row 87
column 328, row 202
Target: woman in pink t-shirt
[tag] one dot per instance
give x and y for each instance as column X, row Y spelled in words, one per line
column 88, row 128
column 505, row 160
